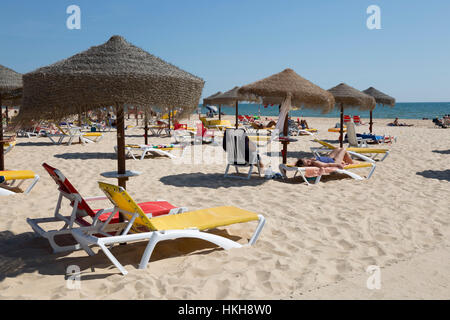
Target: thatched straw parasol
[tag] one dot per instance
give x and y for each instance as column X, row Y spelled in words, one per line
column 112, row 74
column 288, row 84
column 208, row 101
column 9, row 81
column 347, row 96
column 380, row 98
column 232, row 97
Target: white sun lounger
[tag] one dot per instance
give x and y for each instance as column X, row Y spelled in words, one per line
column 149, row 149
column 191, row 224
column 302, row 170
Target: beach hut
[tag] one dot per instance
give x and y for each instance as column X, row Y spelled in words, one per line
column 291, row 91
column 9, row 81
column 208, row 101
column 232, row 98
column 380, row 98
column 346, row 97
column 112, row 74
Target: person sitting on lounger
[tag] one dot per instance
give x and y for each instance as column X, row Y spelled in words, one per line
column 397, row 124
column 339, row 158
column 302, row 124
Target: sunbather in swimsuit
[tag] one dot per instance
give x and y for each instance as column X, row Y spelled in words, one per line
column 397, row 124
column 339, row 158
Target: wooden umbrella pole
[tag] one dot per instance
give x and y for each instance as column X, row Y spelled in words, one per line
column 7, row 116
column 137, row 112
column 370, row 123
column 341, row 131
column 2, row 156
column 79, row 124
column 121, row 166
column 170, row 110
column 237, row 114
column 146, row 126
column 286, row 136
column 220, row 112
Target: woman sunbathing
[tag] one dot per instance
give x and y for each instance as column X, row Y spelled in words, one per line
column 258, row 125
column 339, row 158
column 397, row 124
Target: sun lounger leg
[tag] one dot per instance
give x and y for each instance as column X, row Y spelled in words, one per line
column 35, row 180
column 255, row 236
column 385, row 156
column 226, row 170
column 371, row 171
column 112, row 258
column 158, row 236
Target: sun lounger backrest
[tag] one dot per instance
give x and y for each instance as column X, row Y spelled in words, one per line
column 65, row 186
column 60, row 129
column 236, row 144
column 126, row 205
column 325, row 144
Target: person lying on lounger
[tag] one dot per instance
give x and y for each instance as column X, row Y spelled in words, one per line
column 397, row 124
column 339, row 158
column 258, row 125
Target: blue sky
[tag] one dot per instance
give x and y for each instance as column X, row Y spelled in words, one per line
column 230, row 42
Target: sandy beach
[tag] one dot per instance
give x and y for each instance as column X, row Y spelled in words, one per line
column 317, row 242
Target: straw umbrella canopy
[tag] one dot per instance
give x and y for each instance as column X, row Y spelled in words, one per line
column 9, row 81
column 112, row 74
column 232, row 97
column 208, row 101
column 347, row 96
column 288, row 85
column 380, row 98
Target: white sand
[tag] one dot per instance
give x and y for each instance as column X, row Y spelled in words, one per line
column 317, row 242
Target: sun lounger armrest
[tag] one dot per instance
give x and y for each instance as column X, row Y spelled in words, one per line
column 96, row 198
column 111, row 212
column 360, row 156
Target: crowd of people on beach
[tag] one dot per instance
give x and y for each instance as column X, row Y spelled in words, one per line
column 444, row 122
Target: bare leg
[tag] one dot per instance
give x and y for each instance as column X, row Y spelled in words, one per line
column 347, row 158
column 339, row 156
column 334, row 153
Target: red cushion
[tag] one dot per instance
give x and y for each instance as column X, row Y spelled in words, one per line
column 155, row 208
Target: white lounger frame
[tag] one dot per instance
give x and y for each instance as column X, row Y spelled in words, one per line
column 321, row 150
column 235, row 156
column 145, row 150
column 73, row 133
column 71, row 223
column 12, row 183
column 301, row 171
column 85, row 238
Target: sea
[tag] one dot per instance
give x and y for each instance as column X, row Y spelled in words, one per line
column 402, row 110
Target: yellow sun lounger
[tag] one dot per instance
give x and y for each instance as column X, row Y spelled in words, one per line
column 8, row 146
column 19, row 176
column 351, row 150
column 73, row 133
column 189, row 224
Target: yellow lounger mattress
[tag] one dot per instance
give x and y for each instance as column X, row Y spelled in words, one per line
column 17, row 174
column 203, row 219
